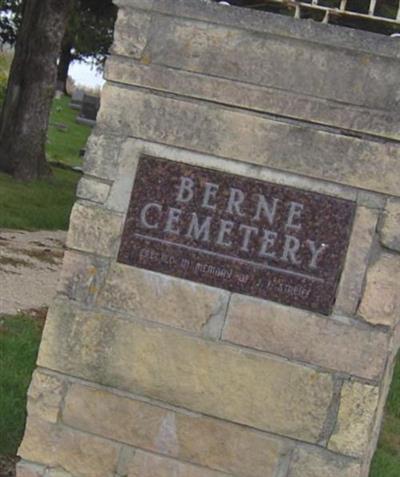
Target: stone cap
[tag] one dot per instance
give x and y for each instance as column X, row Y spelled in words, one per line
column 266, row 22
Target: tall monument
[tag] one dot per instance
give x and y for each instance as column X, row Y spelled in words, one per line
column 229, row 303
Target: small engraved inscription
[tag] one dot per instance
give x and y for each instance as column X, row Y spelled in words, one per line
column 240, row 234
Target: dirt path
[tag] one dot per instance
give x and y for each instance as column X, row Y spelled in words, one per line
column 29, row 267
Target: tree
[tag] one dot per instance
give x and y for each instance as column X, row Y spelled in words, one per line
column 25, row 114
column 89, row 34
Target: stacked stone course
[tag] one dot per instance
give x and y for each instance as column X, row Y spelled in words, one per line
column 146, row 375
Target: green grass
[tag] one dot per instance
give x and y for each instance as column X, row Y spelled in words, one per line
column 46, row 204
column 386, row 462
column 19, row 342
column 41, row 205
column 64, row 146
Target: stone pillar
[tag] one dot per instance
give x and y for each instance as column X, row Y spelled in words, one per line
column 182, row 347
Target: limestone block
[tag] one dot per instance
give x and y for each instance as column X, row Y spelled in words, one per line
column 312, row 463
column 130, row 34
column 371, row 200
column 304, row 336
column 219, row 380
column 256, row 139
column 88, row 338
column 163, row 299
column 132, row 149
column 121, row 189
column 94, row 230
column 92, row 190
column 82, row 277
column 381, row 301
column 45, row 395
column 390, row 230
column 27, row 469
column 240, row 54
column 255, row 97
column 355, row 419
column 57, row 473
column 101, row 158
column 75, row 452
column 200, row 440
column 144, row 464
column 351, row 283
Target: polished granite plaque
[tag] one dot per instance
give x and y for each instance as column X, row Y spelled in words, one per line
column 240, row 234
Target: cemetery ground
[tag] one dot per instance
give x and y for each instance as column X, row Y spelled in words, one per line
column 45, row 206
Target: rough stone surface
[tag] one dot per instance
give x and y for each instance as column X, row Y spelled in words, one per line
column 209, row 442
column 45, row 395
column 251, row 96
column 242, row 136
column 130, row 35
column 219, row 380
column 233, row 55
column 92, row 190
column 121, row 189
column 390, row 230
column 94, row 230
column 101, row 158
column 162, row 299
column 57, row 473
column 351, row 283
column 304, row 336
column 312, row 463
column 269, row 23
column 27, row 469
column 82, row 277
column 355, row 419
column 132, row 149
column 381, row 300
column 77, row 453
column 371, row 200
column 144, row 464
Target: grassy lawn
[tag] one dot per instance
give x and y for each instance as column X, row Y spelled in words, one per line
column 42, row 205
column 19, row 342
column 64, row 144
column 46, row 205
column 386, row 462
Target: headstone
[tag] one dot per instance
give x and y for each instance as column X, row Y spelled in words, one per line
column 89, row 109
column 76, row 99
column 228, row 304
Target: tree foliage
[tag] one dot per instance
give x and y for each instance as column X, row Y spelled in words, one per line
column 10, row 20
column 90, row 29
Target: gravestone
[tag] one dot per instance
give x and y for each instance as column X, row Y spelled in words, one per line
column 76, row 99
column 89, row 108
column 228, row 304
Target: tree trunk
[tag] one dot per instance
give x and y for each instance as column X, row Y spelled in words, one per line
column 31, row 87
column 65, row 60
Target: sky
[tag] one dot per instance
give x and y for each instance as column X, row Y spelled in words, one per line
column 85, row 75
